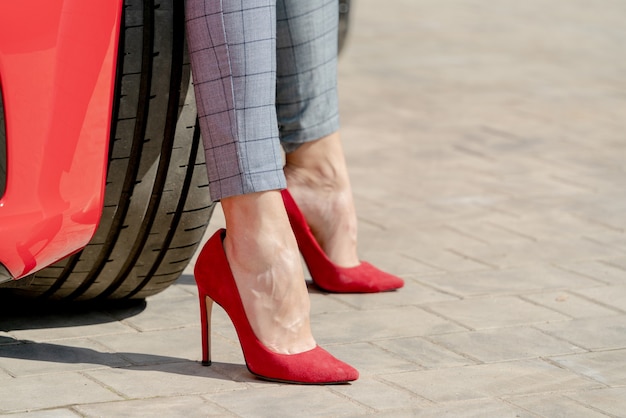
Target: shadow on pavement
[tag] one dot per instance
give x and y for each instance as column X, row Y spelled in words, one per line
column 57, row 353
column 20, row 314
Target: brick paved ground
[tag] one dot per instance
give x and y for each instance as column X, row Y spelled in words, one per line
column 487, row 146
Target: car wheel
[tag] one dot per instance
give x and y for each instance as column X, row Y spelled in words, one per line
column 157, row 203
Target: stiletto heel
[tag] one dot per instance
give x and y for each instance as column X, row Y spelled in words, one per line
column 206, row 306
column 364, row 278
column 216, row 283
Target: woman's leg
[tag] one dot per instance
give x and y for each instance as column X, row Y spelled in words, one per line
column 232, row 45
column 318, row 181
column 232, row 48
column 265, row 261
column 308, row 118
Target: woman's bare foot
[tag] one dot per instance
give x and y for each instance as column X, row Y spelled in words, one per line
column 317, row 178
column 264, row 258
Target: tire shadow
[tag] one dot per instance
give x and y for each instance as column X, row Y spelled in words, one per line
column 18, row 313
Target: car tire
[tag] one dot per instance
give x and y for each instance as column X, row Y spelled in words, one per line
column 157, row 203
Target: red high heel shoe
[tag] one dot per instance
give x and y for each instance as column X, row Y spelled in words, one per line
column 216, row 283
column 364, row 278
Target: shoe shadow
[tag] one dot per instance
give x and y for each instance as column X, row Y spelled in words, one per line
column 38, row 353
column 41, row 357
column 18, row 314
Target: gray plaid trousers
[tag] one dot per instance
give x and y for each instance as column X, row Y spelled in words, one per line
column 265, row 74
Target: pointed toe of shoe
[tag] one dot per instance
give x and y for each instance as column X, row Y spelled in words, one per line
column 376, row 280
column 364, row 278
column 313, row 367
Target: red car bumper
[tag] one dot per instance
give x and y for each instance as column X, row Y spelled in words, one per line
column 57, row 71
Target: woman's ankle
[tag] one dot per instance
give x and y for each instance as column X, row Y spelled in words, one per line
column 318, row 180
column 265, row 262
column 318, row 164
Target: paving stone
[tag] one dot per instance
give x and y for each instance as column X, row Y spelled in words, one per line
column 509, row 281
column 288, row 400
column 380, row 396
column 154, row 347
column 395, row 263
column 570, row 304
column 608, row 367
column 326, row 302
column 495, row 312
column 546, row 218
column 446, row 260
column 613, row 239
column 610, row 400
column 184, row 406
column 447, row 196
column 445, row 237
column 172, row 379
column 612, row 296
column 423, row 352
column 47, row 413
column 236, row 372
column 396, row 413
column 591, row 333
column 505, row 344
column 549, row 251
column 51, row 391
column 619, row 262
column 598, row 270
column 471, row 409
column 370, row 359
column 607, row 214
column 544, row 183
column 371, row 325
column 5, row 376
column 167, row 313
column 490, row 232
column 466, row 202
column 412, row 293
column 555, row 406
column 62, row 356
column 489, row 381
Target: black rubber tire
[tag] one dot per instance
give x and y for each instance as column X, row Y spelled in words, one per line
column 157, row 203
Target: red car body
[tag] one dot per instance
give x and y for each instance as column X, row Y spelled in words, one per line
column 57, row 72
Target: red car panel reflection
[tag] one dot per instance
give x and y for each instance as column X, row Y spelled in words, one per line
column 57, row 72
